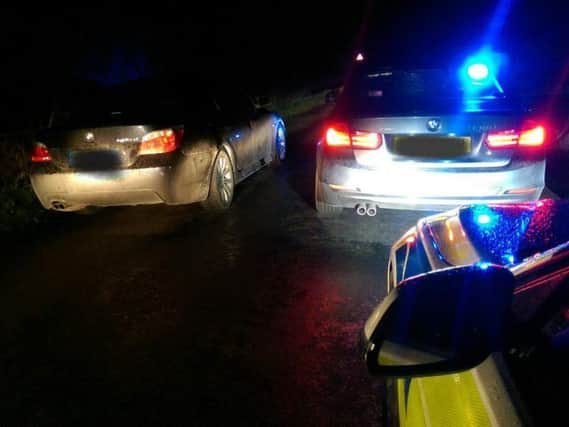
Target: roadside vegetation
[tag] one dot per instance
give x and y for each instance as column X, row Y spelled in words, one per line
column 19, row 208
column 291, row 105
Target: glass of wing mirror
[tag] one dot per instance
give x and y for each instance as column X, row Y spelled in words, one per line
column 441, row 322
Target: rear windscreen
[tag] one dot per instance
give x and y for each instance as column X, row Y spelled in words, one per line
column 407, row 84
column 134, row 103
column 400, row 92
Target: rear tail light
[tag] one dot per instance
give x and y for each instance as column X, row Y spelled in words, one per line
column 533, row 137
column 337, row 137
column 40, row 153
column 341, row 136
column 160, row 141
column 366, row 140
column 507, row 139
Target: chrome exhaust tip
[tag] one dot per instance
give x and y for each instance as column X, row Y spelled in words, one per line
column 371, row 210
column 361, row 210
column 58, row 206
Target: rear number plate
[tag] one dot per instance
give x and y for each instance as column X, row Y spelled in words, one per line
column 431, row 146
column 96, row 159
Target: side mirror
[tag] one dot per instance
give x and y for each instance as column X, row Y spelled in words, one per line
column 441, row 322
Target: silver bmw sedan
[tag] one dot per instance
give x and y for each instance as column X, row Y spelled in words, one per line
column 428, row 139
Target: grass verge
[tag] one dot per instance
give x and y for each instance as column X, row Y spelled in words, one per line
column 297, row 103
column 19, row 208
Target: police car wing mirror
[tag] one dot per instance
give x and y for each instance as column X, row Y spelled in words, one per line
column 441, row 322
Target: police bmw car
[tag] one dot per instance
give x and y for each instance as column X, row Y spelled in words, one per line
column 428, row 139
column 474, row 330
column 444, row 103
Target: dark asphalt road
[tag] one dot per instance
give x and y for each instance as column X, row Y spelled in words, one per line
column 176, row 316
column 173, row 315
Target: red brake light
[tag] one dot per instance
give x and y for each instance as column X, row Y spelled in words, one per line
column 340, row 136
column 366, row 140
column 534, row 137
column 40, row 153
column 160, row 142
column 337, row 137
column 506, row 139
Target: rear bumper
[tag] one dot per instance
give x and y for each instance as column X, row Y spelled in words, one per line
column 75, row 190
column 346, row 184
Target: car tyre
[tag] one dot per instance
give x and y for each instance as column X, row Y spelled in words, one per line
column 221, row 184
column 279, row 149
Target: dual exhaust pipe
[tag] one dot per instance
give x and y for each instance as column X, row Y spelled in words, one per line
column 58, row 205
column 366, row 209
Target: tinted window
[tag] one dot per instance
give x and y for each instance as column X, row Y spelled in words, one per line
column 234, row 103
column 135, row 103
column 417, row 261
column 400, row 256
column 402, row 92
column 409, row 84
column 411, row 260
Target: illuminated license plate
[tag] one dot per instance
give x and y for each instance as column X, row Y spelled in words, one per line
column 431, row 146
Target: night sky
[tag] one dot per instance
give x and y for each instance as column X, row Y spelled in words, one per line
column 267, row 42
column 266, row 45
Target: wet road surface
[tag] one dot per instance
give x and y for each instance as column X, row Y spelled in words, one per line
column 176, row 316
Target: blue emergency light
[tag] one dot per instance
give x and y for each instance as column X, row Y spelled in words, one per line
column 478, row 71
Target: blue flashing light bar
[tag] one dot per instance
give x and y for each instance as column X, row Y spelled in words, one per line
column 478, row 71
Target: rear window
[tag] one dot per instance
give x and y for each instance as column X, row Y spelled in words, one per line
column 134, row 103
column 371, row 91
column 408, row 84
column 403, row 92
